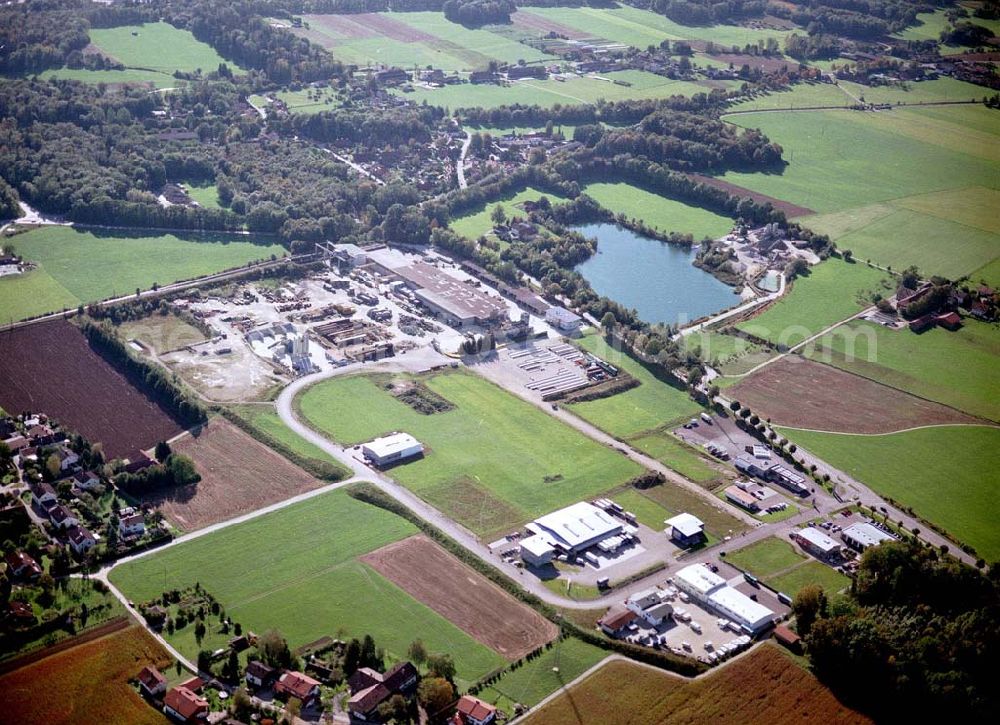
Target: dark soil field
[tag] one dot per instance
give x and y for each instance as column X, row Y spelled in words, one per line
column 87, row 683
column 791, row 210
column 799, row 393
column 239, row 474
column 344, row 25
column 455, row 591
column 394, row 29
column 530, row 22
column 763, row 686
column 50, row 368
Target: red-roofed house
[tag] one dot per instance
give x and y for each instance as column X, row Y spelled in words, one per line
column 259, row 675
column 296, row 684
column 20, row 612
column 22, row 565
column 787, row 637
column 42, row 493
column 86, row 480
column 615, row 623
column 80, row 539
column 62, row 517
column 369, row 688
column 183, row 705
column 473, row 711
column 151, row 681
column 949, row 320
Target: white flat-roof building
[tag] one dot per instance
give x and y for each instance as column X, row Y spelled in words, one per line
column 536, row 550
column 391, row 448
column 563, row 319
column 816, row 542
column 862, row 535
column 711, row 590
column 685, row 529
column 576, row 527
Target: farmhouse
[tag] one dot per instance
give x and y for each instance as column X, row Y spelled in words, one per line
column 536, row 550
column 152, row 682
column 711, row 590
column 80, row 539
column 391, row 449
column 862, row 535
column 576, row 527
column 296, row 684
column 472, row 711
column 259, row 675
column 650, row 606
column 685, row 529
column 742, row 498
column 816, row 542
column 563, row 319
column 616, row 621
column 183, row 705
column 369, row 688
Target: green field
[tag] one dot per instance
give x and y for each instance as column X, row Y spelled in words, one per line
column 907, row 152
column 729, row 354
column 493, row 462
column 766, row 557
column 669, row 451
column 812, row 572
column 988, row 274
column 129, row 76
column 801, row 95
column 641, row 28
column 647, row 511
column 550, row 92
column 77, row 267
column 306, row 101
column 206, row 194
column 475, row 224
column 297, row 570
column 947, row 474
column 719, row 523
column 833, row 291
column 923, row 364
column 157, row 46
column 266, row 419
column 657, row 211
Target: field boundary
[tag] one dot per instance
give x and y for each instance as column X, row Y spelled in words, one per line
column 110, row 627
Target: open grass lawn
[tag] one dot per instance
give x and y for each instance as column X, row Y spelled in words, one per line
column 129, row 76
column 947, row 474
column 161, row 332
column 647, row 511
column 941, row 89
column 307, row 580
column 766, row 557
column 658, row 211
column 766, row 685
column 157, row 46
column 833, row 291
column 812, row 572
column 729, row 354
column 988, row 274
column 801, row 95
column 91, row 680
column 78, row 267
column 492, row 462
column 653, row 404
column 475, row 224
column 907, row 152
column 267, row 420
column 923, row 364
column 671, row 452
column 534, row 680
column 719, row 523
column 207, row 195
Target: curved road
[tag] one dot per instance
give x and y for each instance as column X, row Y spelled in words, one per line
column 460, row 166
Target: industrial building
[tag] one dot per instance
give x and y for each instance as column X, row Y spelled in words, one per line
column 816, row 542
column 742, row 498
column 576, row 527
column 458, row 303
column 537, row 551
column 391, row 449
column 710, row 590
column 685, row 529
column 651, row 606
column 861, row 536
column 563, row 319
column 788, row 478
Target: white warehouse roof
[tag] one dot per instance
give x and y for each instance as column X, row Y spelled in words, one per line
column 390, row 444
column 537, row 546
column 741, row 607
column 577, row 525
column 700, row 578
column 865, row 535
column 687, row 524
column 818, row 539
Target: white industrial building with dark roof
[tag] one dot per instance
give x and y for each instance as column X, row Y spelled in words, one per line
column 686, row 529
column 576, row 527
column 862, row 535
column 710, row 590
column 816, row 542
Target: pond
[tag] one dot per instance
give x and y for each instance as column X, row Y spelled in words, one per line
column 655, row 278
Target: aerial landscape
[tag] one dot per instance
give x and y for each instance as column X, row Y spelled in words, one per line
column 579, row 362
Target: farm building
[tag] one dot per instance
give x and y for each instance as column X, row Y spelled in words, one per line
column 816, row 542
column 576, row 527
column 711, row 590
column 861, row 536
column 259, row 675
column 391, row 449
column 296, row 684
column 472, row 711
column 742, row 498
column 616, row 621
column 685, row 529
column 151, row 681
column 650, row 606
column 369, row 688
column 536, row 550
column 184, row 705
column 563, row 319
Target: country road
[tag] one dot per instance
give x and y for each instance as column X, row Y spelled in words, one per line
column 460, row 164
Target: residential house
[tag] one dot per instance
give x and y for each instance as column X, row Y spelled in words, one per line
column 259, row 675
column 80, row 539
column 62, row 518
column 42, row 494
column 369, row 688
column 296, row 684
column 473, row 711
column 23, row 566
column 650, row 606
column 67, row 458
column 615, row 623
column 22, row 614
column 152, row 682
column 86, row 480
column 134, row 525
column 184, row 705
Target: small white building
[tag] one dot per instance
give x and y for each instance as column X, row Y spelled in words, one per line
column 862, row 535
column 350, row 254
column 80, row 539
column 816, row 542
column 649, row 605
column 563, row 319
column 685, row 529
column 537, row 550
column 133, row 525
column 392, row 448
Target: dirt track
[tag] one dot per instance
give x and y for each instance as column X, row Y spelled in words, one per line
column 458, row 593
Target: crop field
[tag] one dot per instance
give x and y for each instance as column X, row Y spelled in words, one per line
column 800, row 393
column 264, row 418
column 923, row 364
column 50, row 368
column 163, row 333
column 909, row 152
column 312, row 584
column 765, row 685
column 458, row 593
column 157, row 46
column 91, row 680
column 947, row 474
column 832, row 291
column 657, row 211
column 493, row 462
column 238, row 475
column 77, row 267
column 475, row 224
